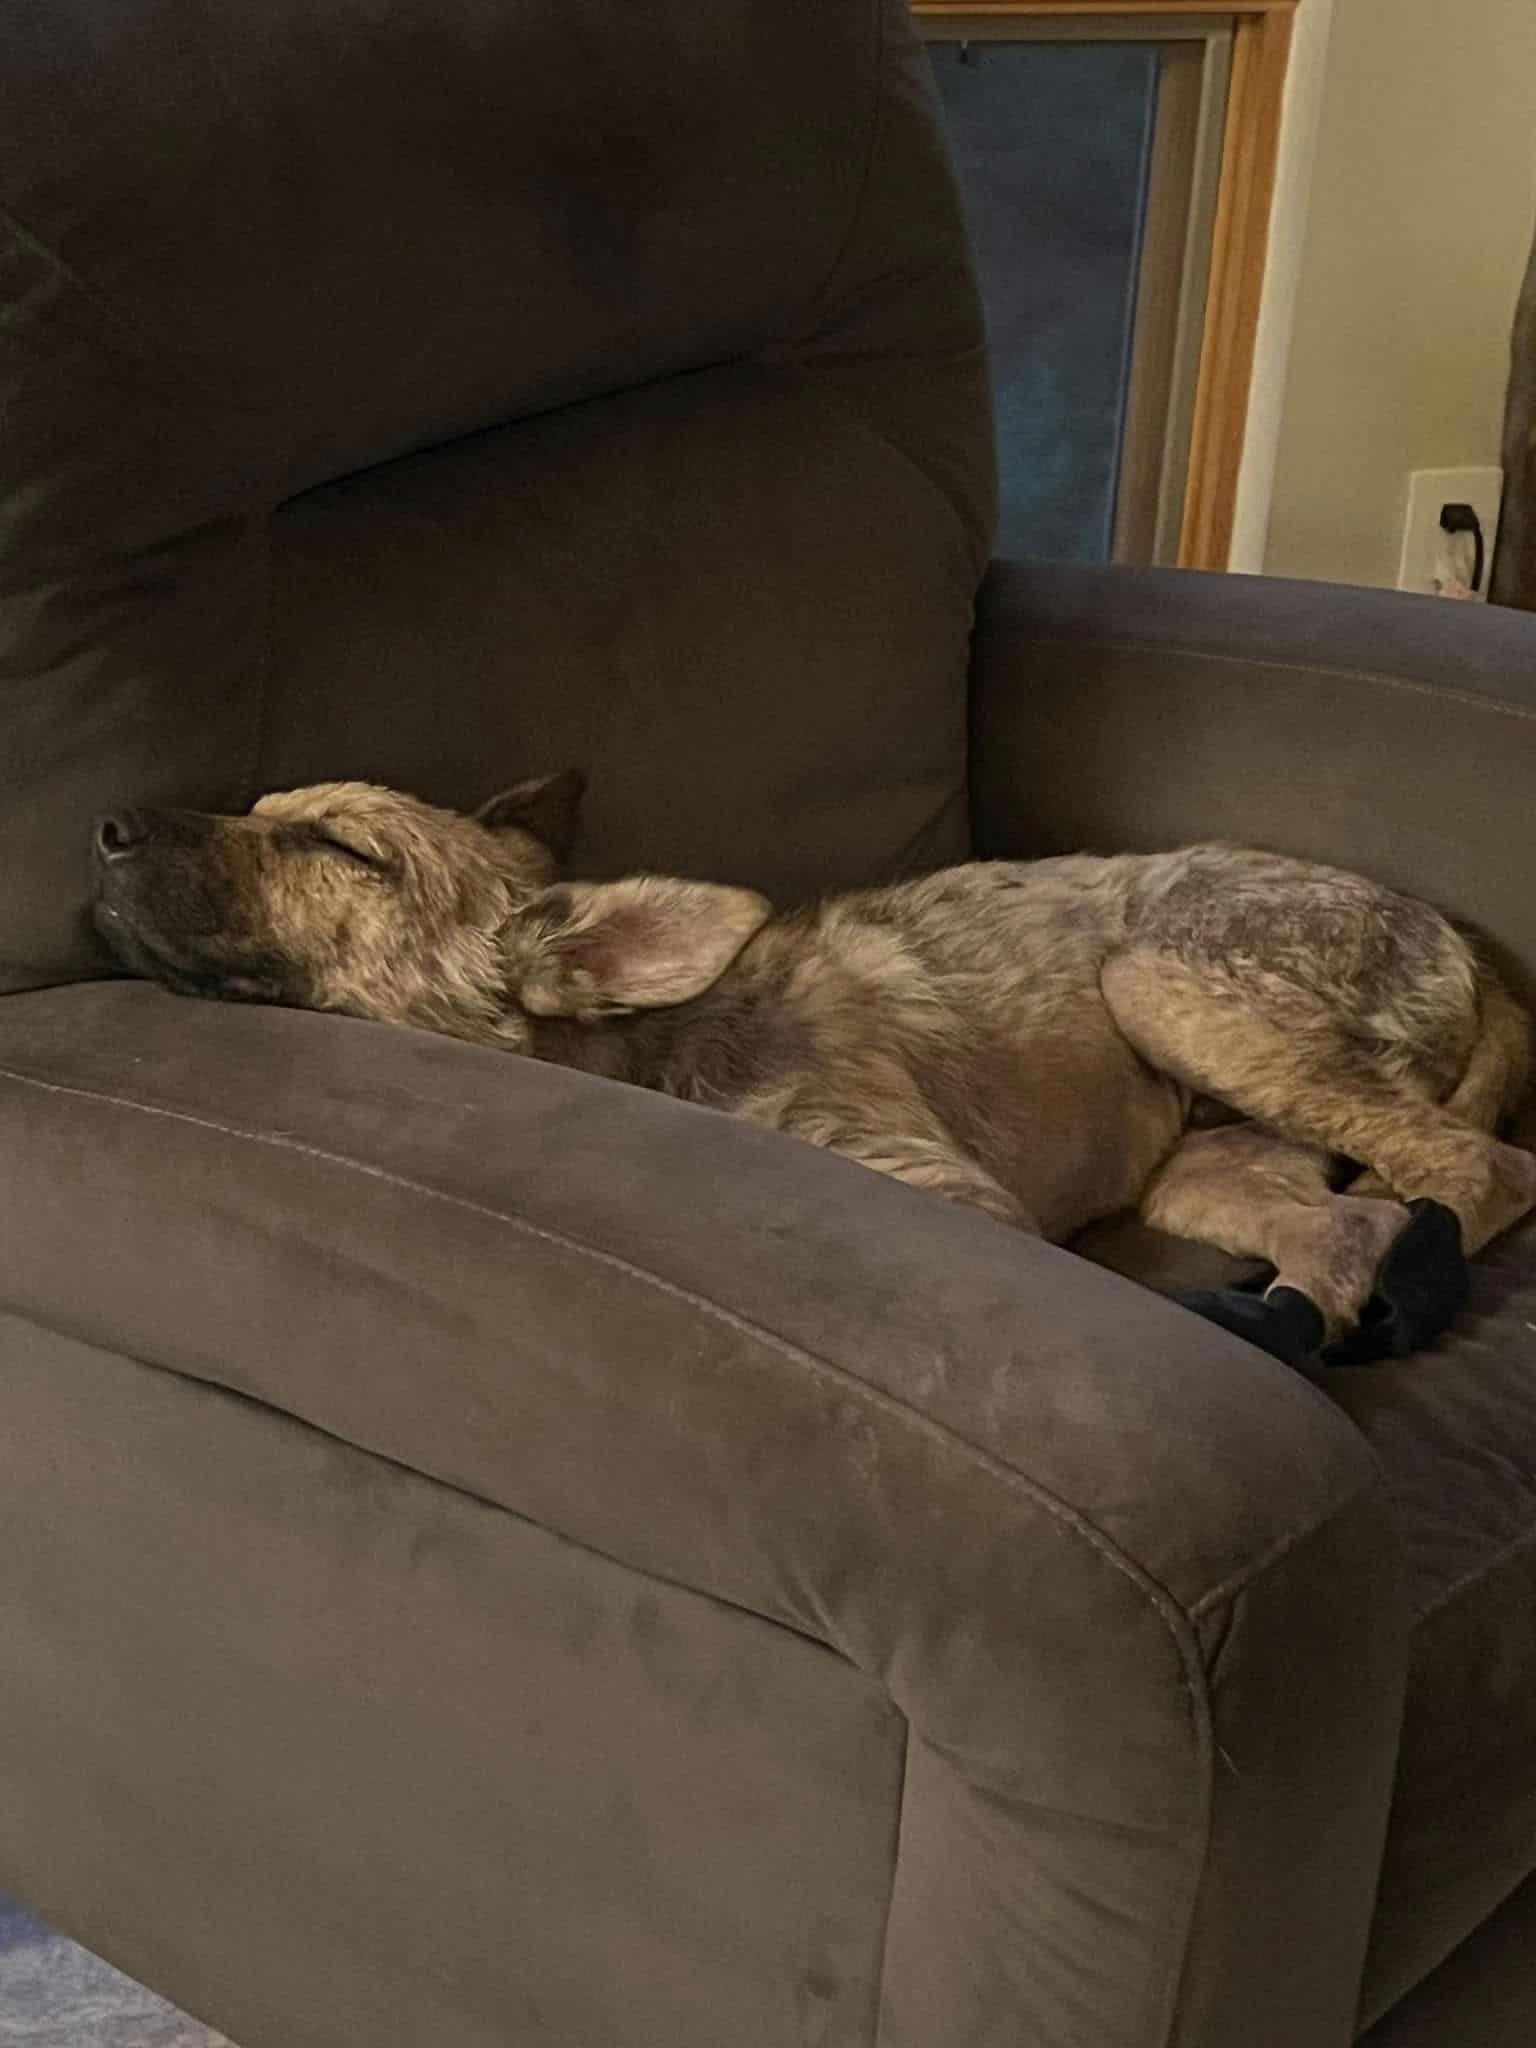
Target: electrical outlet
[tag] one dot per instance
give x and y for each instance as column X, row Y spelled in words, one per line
column 1431, row 557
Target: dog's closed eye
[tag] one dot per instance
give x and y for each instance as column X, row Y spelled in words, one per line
column 363, row 856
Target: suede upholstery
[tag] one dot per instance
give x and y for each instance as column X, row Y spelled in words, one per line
column 1393, row 736
column 1347, row 727
column 1486, row 1990
column 843, row 1408
column 490, row 1556
column 716, row 268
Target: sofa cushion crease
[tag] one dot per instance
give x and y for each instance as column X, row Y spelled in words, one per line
column 61, row 1330
column 476, row 1747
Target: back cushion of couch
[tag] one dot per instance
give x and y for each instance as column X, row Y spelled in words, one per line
column 436, row 392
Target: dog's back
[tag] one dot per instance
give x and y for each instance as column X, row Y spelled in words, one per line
column 973, row 997
column 966, row 1005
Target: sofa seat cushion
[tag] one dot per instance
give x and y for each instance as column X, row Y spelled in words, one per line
column 1455, row 1432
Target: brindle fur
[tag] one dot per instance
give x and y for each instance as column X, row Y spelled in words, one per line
column 1028, row 1038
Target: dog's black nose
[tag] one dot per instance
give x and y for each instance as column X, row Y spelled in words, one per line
column 120, row 833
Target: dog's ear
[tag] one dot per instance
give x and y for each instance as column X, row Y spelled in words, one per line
column 547, row 807
column 589, row 949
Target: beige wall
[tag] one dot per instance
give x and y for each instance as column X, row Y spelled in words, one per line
column 1417, row 219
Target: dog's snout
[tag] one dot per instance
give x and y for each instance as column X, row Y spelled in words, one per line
column 120, row 833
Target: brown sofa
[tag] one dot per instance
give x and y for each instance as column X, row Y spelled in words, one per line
column 491, row 1557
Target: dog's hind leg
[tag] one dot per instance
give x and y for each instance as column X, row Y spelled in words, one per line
column 1291, row 1065
column 874, row 1114
column 929, row 1163
column 938, row 1171
column 1497, row 1073
column 1368, row 1278
column 1498, row 1069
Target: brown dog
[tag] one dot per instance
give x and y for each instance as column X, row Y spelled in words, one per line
column 1027, row 1038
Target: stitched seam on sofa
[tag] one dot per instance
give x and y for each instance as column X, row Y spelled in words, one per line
column 1526, row 1540
column 1237, row 1594
column 1178, row 1628
column 1246, row 1576
column 1166, row 1996
column 1444, row 693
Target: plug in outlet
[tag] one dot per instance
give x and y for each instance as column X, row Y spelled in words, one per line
column 1431, row 557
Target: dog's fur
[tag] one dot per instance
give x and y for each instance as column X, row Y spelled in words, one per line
column 1027, row 1038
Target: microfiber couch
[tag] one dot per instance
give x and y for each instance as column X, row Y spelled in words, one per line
column 494, row 1559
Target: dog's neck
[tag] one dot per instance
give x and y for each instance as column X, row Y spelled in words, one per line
column 715, row 1049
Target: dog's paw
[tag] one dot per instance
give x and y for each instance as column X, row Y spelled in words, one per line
column 1284, row 1322
column 1421, row 1287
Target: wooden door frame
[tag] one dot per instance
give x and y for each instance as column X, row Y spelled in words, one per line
column 1261, row 41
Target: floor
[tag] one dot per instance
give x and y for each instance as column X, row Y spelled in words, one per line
column 55, row 1995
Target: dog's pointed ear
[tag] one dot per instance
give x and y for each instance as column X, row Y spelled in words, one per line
column 590, row 949
column 547, row 807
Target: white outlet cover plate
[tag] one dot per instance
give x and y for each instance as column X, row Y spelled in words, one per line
column 1428, row 490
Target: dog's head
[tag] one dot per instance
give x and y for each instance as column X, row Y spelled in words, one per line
column 344, row 896
column 340, row 896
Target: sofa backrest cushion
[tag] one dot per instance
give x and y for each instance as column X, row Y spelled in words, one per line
column 440, row 392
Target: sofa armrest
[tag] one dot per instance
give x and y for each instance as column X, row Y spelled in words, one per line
column 1137, row 709
column 1130, row 1582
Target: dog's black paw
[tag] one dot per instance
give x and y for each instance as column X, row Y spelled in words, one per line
column 1285, row 1323
column 1420, row 1290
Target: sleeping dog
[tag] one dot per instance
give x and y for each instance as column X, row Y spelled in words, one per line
column 1034, row 1039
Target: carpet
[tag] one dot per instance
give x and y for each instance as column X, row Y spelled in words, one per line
column 56, row 1995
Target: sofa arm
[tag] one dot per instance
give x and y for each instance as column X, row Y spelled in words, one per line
column 1139, row 708
column 1130, row 1582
